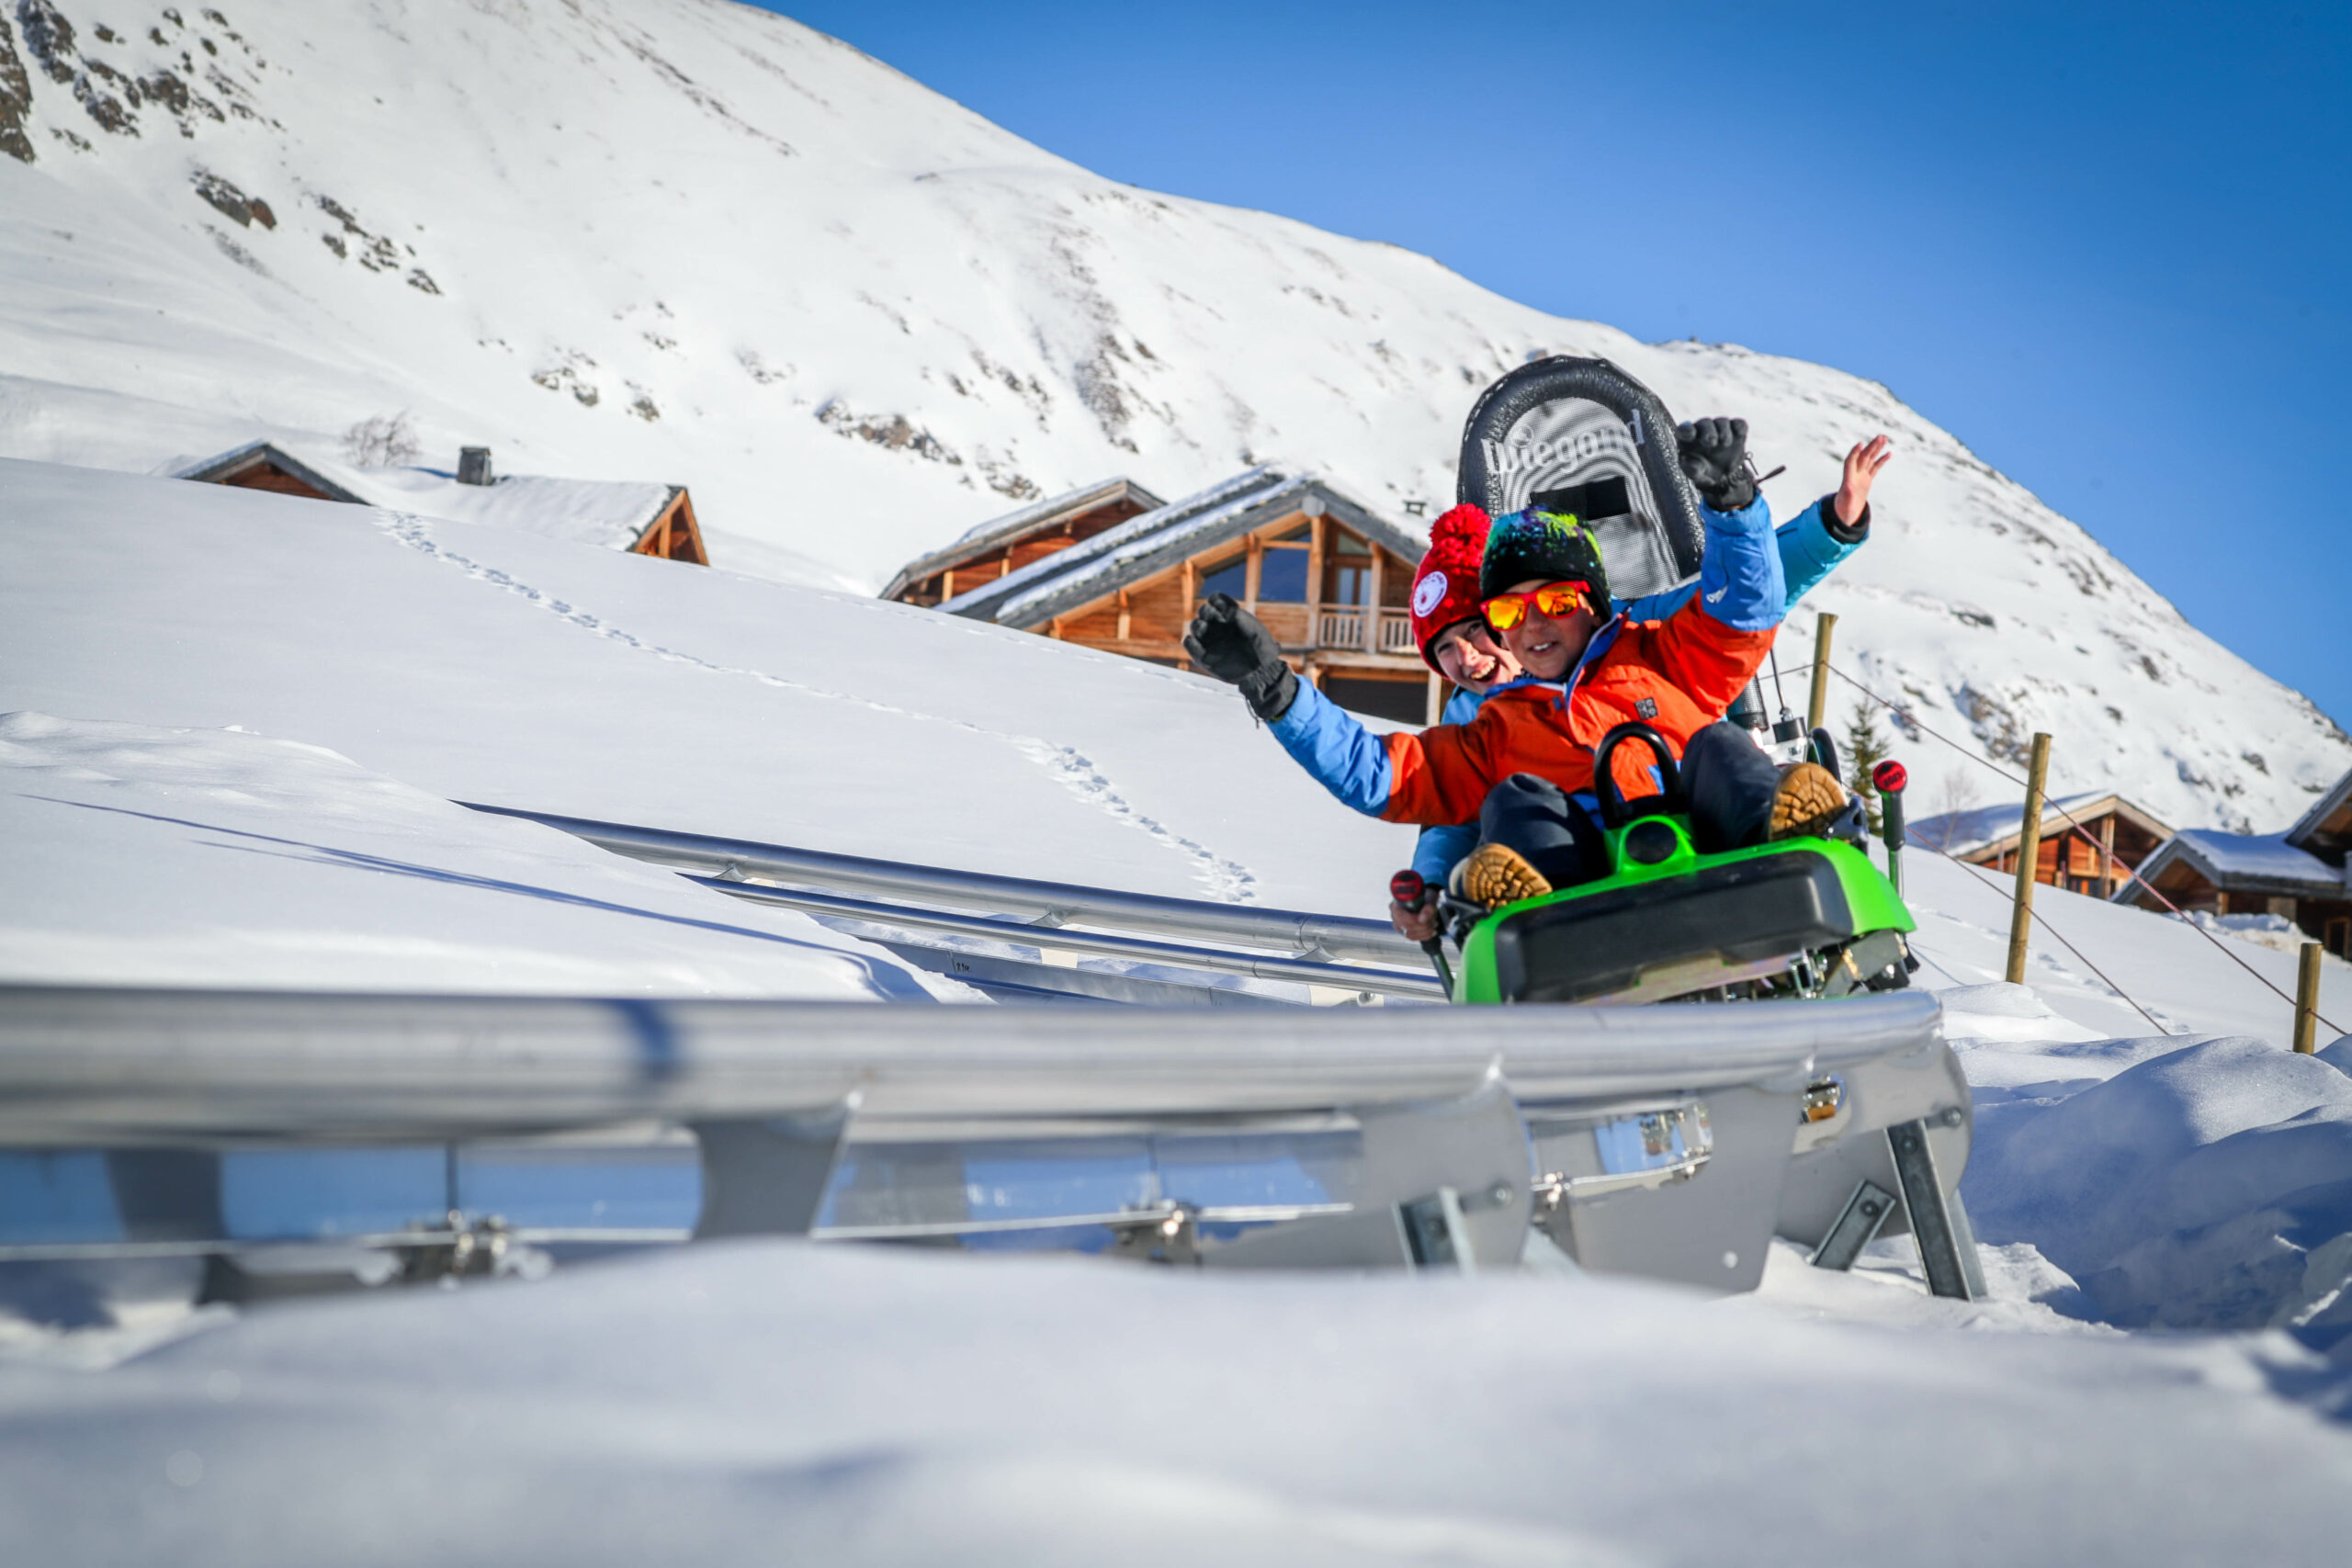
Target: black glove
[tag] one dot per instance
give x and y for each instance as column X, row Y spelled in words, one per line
column 1229, row 643
column 1715, row 454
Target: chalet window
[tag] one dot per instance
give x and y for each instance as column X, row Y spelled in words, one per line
column 1281, row 575
column 1347, row 570
column 1227, row 577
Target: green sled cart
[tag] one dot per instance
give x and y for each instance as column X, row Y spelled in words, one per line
column 1798, row 918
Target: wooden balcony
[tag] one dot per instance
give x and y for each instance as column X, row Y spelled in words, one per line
column 1347, row 629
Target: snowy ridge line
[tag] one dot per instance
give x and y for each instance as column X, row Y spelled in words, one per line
column 1228, row 880
column 1911, row 718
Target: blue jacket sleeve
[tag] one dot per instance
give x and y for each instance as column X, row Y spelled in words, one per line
column 1438, row 850
column 1809, row 552
column 1658, row 605
column 1343, row 756
column 1739, row 577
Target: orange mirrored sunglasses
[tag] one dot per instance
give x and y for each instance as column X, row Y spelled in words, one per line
column 1554, row 600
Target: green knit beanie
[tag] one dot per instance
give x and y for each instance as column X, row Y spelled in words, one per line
column 1545, row 547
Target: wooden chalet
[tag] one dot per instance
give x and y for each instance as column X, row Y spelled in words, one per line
column 1114, row 567
column 2302, row 873
column 644, row 519
column 2091, row 843
column 1008, row 543
column 264, row 465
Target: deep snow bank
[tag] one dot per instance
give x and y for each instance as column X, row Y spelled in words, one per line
column 2207, row 1184
column 712, row 1404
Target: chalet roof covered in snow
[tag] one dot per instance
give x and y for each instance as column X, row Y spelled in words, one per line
column 1165, row 536
column 1013, row 525
column 1991, row 830
column 610, row 514
column 2244, row 862
column 2325, row 830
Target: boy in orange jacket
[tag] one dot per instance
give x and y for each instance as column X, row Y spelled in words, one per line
column 1523, row 764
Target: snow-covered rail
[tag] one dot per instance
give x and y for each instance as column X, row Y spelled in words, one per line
column 1663, row 1141
column 1283, row 931
column 1263, row 966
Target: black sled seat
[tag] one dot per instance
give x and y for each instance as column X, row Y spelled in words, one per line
column 1719, row 925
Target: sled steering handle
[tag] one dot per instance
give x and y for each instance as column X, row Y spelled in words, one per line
column 1891, row 778
column 1614, row 812
column 1411, row 890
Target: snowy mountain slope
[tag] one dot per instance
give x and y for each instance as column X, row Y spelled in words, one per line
column 685, row 241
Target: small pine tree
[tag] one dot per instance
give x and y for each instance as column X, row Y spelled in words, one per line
column 1864, row 750
column 384, row 441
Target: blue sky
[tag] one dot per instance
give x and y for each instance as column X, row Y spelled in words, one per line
column 2104, row 245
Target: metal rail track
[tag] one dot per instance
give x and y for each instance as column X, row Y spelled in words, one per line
column 1382, row 982
column 1305, row 936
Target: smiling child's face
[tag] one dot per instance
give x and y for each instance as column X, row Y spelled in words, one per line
column 1546, row 647
column 1468, row 654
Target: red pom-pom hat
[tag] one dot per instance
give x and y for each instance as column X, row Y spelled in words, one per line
column 1445, row 585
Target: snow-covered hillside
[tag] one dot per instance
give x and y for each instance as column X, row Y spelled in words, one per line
column 686, row 241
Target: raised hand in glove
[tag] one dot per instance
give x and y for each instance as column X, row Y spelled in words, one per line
column 1229, row 642
column 1715, row 454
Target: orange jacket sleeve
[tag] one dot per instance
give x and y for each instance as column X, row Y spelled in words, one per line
column 1440, row 776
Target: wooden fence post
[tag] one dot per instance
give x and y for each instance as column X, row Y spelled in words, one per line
column 2307, row 1000
column 2028, row 857
column 1816, row 709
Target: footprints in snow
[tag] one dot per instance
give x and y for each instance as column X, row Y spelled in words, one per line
column 1227, row 880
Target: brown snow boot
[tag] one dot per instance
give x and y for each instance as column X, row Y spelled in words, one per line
column 1496, row 875
column 1808, row 802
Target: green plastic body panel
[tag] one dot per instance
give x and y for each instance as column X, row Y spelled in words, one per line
column 1872, row 902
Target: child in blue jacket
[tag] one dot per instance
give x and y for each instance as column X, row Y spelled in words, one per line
column 1330, row 744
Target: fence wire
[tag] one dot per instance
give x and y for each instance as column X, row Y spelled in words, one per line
column 1906, row 719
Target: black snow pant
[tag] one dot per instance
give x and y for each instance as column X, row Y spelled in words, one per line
column 1727, row 778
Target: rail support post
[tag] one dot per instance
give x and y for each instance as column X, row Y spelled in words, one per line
column 767, row 1174
column 2028, row 857
column 2307, row 1000
column 1946, row 1244
column 1817, row 706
